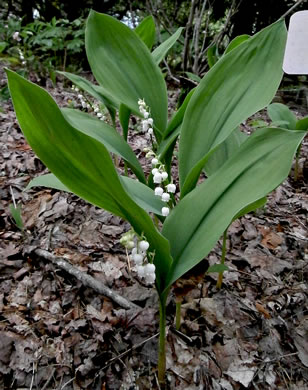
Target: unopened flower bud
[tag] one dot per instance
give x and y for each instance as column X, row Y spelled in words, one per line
column 150, row 131
column 150, row 121
column 130, row 244
column 154, row 161
column 146, row 114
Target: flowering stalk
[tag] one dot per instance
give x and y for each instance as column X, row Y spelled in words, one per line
column 222, row 260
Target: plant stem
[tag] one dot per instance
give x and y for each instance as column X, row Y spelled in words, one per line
column 162, row 342
column 296, row 162
column 178, row 305
column 223, row 257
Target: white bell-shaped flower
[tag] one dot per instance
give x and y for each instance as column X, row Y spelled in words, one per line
column 143, row 245
column 157, row 178
column 158, row 191
column 165, row 211
column 137, row 258
column 165, row 197
column 171, row 188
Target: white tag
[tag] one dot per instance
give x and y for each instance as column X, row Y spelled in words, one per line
column 296, row 54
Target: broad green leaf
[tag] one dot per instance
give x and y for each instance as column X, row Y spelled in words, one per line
column 49, row 181
column 96, row 91
column 302, row 124
column 124, row 115
column 143, row 195
column 160, row 52
column 281, row 113
column 241, row 83
column 146, row 31
column 236, row 42
column 123, row 65
column 81, row 163
column 224, row 151
column 105, row 134
column 2, row 46
column 16, row 214
column 140, row 193
column 198, row 221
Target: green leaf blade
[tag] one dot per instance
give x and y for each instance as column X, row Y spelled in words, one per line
column 123, row 65
column 146, row 31
column 105, row 134
column 81, row 163
column 227, row 95
column 199, row 220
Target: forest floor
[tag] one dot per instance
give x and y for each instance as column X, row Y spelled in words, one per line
column 58, row 333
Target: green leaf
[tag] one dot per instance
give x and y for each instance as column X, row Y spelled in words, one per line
column 143, row 195
column 251, row 207
column 124, row 115
column 217, row 268
column 160, row 52
column 302, row 124
column 123, row 65
column 281, row 113
column 146, row 31
column 140, row 193
column 81, row 163
column 241, row 83
column 96, row 91
column 198, row 221
column 105, row 134
column 224, row 151
column 236, row 42
column 16, row 215
column 212, row 57
column 193, row 77
column 49, row 181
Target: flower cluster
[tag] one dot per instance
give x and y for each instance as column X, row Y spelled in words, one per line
column 160, row 177
column 88, row 105
column 147, row 123
column 139, row 255
column 21, row 56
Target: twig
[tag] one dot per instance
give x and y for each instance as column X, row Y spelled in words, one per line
column 291, row 9
column 86, row 279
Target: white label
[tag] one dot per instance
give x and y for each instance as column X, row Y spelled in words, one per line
column 296, row 54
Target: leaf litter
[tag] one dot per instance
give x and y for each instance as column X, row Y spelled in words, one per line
column 57, row 333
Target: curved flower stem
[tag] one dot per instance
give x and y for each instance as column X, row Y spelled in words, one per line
column 178, row 305
column 223, row 257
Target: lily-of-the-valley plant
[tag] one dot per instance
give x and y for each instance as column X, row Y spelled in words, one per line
column 175, row 223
